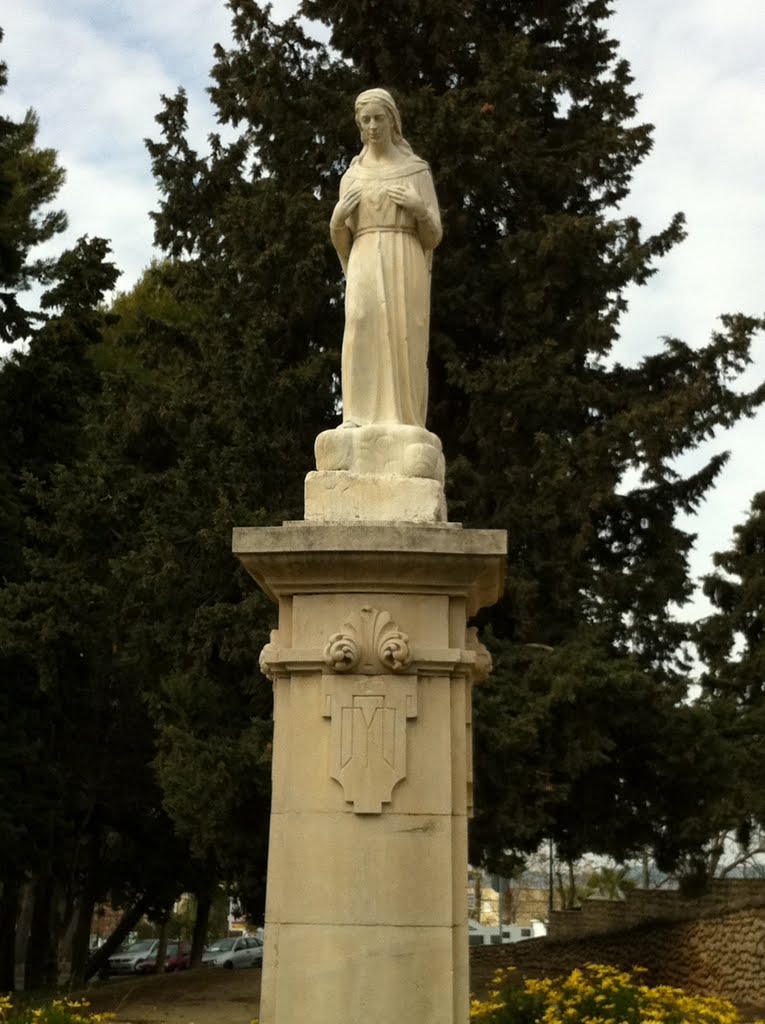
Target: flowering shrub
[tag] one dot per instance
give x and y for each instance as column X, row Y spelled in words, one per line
column 60, row 1011
column 596, row 995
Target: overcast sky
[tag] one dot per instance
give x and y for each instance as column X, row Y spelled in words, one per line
column 94, row 71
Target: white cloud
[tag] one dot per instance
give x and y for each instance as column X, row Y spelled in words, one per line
column 95, row 80
column 702, row 77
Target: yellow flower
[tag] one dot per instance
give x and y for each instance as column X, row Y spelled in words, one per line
column 602, row 994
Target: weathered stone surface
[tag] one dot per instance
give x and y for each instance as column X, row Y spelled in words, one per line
column 382, row 464
column 719, row 954
column 384, row 227
column 359, row 975
column 325, row 558
column 335, row 497
column 382, row 449
column 372, row 666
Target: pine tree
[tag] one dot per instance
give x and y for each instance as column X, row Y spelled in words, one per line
column 45, row 605
column 30, row 179
column 527, row 116
column 732, row 640
column 184, row 445
column 42, row 392
column 82, row 812
column 731, row 643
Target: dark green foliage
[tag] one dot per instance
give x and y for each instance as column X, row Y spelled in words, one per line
column 30, row 179
column 61, row 730
column 193, row 406
column 190, row 456
column 731, row 642
column 526, row 115
column 95, row 438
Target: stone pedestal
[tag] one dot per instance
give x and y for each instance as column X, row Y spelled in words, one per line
column 381, row 472
column 372, row 666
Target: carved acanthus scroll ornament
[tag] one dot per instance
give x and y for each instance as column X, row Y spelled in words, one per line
column 371, row 645
column 482, row 663
column 269, row 654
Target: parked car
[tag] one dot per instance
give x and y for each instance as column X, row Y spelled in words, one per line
column 177, row 958
column 126, row 961
column 230, row 953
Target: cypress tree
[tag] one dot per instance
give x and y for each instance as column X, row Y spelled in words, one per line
column 731, row 643
column 527, row 115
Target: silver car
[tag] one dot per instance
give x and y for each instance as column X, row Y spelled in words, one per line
column 126, row 960
column 230, row 953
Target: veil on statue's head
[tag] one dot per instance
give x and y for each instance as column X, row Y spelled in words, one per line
column 384, row 98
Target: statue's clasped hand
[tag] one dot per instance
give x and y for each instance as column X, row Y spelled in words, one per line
column 345, row 207
column 409, row 199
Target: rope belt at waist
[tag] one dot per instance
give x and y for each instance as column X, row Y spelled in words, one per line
column 401, row 231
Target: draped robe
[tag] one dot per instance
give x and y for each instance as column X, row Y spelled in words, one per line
column 387, row 296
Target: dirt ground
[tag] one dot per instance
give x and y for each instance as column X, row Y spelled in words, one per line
column 204, row 996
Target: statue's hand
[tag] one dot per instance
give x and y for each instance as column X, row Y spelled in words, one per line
column 345, row 207
column 409, row 199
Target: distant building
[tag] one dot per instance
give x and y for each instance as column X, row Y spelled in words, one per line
column 524, row 905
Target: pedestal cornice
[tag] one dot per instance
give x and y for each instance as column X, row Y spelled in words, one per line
column 301, row 558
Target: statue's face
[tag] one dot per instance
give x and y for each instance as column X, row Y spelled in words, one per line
column 374, row 124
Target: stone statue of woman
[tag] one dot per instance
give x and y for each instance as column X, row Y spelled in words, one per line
column 382, row 463
column 384, row 228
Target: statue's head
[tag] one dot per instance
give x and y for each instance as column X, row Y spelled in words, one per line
column 388, row 104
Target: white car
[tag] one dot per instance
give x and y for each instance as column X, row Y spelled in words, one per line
column 230, row 953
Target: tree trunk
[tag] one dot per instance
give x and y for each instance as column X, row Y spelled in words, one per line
column 199, row 938
column 162, row 948
column 715, row 854
column 571, row 884
column 550, row 879
column 83, row 913
column 9, row 905
column 81, row 939
column 561, row 887
column 512, row 901
column 41, row 960
column 129, row 920
column 59, row 919
column 24, row 924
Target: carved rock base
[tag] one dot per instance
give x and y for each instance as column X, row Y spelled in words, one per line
column 381, row 449
column 372, row 669
column 342, row 497
column 381, row 472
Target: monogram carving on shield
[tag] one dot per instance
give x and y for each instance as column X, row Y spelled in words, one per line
column 369, row 712
column 368, row 741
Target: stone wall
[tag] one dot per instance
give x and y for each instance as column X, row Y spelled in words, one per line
column 719, row 955
column 598, row 917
